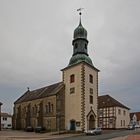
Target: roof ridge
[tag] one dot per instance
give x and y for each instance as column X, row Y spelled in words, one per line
column 45, row 86
column 40, row 92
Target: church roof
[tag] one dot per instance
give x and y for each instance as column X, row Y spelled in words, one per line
column 80, row 32
column 40, row 93
column 107, row 101
column 80, row 58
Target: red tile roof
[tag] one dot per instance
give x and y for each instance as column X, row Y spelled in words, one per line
column 137, row 114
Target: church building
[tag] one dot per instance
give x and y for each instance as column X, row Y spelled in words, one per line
column 71, row 104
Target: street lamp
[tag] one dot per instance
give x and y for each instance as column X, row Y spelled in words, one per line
column 0, row 115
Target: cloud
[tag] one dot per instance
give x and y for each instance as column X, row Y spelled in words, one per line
column 36, row 43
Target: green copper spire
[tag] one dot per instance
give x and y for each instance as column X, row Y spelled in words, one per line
column 80, row 31
column 80, row 43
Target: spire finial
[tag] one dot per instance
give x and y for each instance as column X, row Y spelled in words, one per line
column 28, row 88
column 79, row 10
column 80, row 13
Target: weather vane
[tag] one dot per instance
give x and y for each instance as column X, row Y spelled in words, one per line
column 79, row 10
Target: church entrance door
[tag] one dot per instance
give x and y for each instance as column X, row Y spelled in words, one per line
column 72, row 125
column 91, row 122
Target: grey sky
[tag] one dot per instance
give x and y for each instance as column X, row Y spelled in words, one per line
column 36, row 38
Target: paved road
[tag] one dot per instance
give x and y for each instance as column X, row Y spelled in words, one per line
column 105, row 136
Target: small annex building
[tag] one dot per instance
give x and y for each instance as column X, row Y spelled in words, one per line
column 6, row 120
column 0, row 115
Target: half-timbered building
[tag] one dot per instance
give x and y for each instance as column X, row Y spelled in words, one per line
column 111, row 113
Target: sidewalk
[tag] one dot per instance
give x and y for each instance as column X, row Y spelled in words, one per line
column 133, row 137
column 120, row 138
column 21, row 135
column 130, row 137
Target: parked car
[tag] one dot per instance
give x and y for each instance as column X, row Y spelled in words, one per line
column 29, row 129
column 137, row 126
column 94, row 131
column 131, row 127
column 40, row 129
column 8, row 126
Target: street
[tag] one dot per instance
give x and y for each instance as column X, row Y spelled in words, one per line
column 104, row 136
column 107, row 135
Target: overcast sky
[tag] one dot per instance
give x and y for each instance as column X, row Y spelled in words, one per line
column 36, row 43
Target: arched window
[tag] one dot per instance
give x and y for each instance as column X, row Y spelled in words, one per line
column 91, row 90
column 91, row 99
column 86, row 46
column 76, row 45
column 90, row 78
column 72, row 78
column 49, row 107
column 121, row 123
column 72, row 90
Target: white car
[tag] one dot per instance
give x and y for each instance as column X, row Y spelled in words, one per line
column 131, row 127
column 94, row 131
column 137, row 126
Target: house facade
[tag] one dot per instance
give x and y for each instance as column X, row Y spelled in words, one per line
column 112, row 114
column 6, row 121
column 68, row 105
column 135, row 118
column 0, row 115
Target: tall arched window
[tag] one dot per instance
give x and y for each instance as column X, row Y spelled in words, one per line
column 86, row 46
column 49, row 107
column 76, row 45
column 91, row 99
column 72, row 78
column 90, row 78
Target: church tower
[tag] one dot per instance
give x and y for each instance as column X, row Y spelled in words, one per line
column 81, row 85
